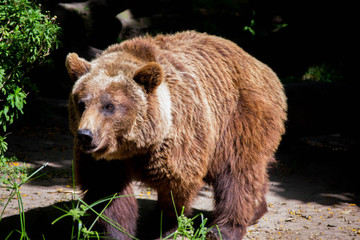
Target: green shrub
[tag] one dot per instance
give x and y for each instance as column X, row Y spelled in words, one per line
column 26, row 38
column 323, row 73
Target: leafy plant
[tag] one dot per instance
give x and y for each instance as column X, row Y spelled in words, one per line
column 251, row 27
column 26, row 38
column 186, row 230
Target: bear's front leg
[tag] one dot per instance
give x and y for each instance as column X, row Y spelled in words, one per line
column 120, row 215
column 123, row 212
column 102, row 179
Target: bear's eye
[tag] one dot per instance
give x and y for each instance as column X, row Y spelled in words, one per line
column 81, row 106
column 109, row 107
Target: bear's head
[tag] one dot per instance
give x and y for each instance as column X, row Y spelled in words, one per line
column 119, row 105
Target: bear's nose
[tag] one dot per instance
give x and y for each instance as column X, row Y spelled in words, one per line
column 85, row 137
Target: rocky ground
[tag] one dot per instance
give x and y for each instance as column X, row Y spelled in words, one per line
column 306, row 199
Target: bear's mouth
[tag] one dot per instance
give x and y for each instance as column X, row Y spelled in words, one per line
column 88, row 149
column 93, row 148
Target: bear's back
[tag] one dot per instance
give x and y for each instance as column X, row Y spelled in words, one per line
column 219, row 64
column 225, row 72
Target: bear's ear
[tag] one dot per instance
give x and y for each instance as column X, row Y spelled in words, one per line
column 150, row 76
column 76, row 66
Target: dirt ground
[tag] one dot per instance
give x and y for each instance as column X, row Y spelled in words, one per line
column 306, row 199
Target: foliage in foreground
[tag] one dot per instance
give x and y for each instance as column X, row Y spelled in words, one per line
column 80, row 210
column 185, row 228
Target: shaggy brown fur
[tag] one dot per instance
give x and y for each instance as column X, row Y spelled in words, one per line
column 176, row 111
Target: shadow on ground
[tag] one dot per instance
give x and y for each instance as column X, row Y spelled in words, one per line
column 318, row 169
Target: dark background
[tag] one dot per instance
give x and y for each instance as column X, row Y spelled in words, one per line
column 289, row 36
column 316, row 32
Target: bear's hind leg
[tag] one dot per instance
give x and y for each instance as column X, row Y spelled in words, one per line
column 261, row 208
column 237, row 203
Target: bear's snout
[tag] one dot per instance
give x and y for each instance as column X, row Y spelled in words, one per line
column 85, row 138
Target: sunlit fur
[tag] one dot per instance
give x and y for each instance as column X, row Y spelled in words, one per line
column 197, row 109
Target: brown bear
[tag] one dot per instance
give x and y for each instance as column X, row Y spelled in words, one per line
column 176, row 112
